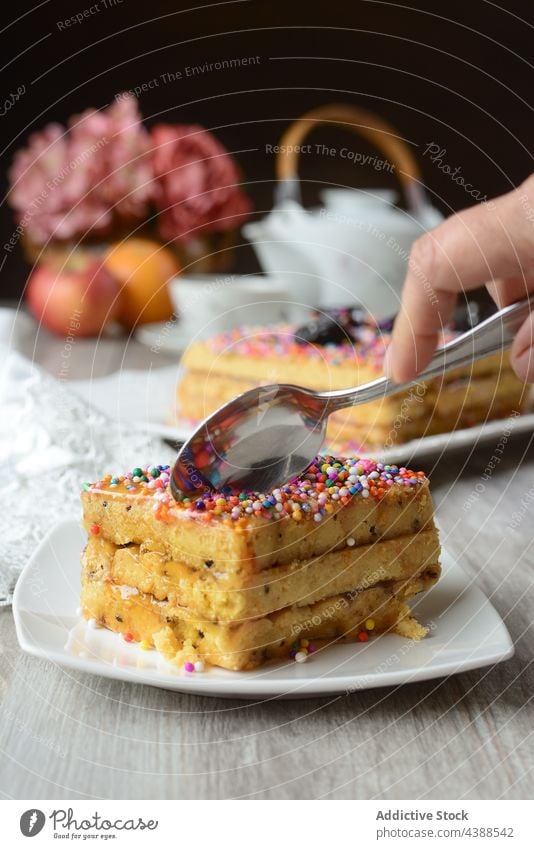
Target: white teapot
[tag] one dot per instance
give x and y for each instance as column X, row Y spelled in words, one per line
column 354, row 249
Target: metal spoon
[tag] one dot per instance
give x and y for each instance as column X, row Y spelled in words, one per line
column 270, row 434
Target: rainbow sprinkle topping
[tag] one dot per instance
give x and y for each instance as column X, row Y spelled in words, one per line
column 368, row 348
column 328, row 483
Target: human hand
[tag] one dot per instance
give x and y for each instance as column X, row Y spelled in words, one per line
column 493, row 241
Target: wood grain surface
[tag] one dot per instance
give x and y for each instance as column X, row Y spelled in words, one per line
column 67, row 736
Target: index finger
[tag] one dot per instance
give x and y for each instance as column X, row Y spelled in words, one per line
column 463, row 253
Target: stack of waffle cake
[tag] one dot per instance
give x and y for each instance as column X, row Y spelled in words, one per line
column 238, row 579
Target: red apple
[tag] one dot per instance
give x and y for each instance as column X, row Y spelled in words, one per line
column 77, row 295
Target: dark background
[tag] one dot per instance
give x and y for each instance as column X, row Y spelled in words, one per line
column 458, row 74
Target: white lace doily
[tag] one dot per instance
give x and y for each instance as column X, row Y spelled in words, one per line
column 51, row 441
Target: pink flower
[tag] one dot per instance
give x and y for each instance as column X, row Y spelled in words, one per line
column 195, row 183
column 44, row 188
column 69, row 184
column 106, row 169
column 121, row 161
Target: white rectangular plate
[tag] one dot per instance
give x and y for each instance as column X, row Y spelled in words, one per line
column 466, row 633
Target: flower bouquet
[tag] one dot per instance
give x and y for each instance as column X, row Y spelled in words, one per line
column 107, row 199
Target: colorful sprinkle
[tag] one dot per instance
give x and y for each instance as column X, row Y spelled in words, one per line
column 368, row 345
column 95, row 530
column 370, row 624
column 363, row 636
column 300, row 650
column 328, row 485
column 128, row 637
column 189, row 667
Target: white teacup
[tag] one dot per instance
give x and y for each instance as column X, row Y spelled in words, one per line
column 212, row 303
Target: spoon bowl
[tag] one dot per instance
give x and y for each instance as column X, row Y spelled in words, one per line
column 265, row 435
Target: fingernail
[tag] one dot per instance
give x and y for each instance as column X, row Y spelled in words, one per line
column 523, row 365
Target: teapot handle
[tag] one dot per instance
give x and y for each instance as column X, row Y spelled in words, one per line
column 379, row 132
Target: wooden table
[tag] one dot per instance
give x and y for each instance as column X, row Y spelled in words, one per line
column 69, row 736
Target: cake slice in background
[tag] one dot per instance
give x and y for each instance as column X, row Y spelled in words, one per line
column 329, row 355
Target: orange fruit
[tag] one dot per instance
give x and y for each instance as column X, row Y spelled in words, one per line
column 142, row 267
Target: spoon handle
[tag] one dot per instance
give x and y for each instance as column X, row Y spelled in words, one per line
column 489, row 337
